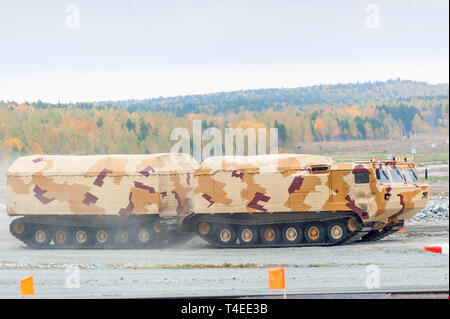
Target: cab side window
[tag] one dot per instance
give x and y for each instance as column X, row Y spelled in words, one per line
column 362, row 178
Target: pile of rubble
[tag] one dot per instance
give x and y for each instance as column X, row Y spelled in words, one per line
column 435, row 211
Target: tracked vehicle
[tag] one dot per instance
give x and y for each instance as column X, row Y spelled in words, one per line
column 100, row 201
column 131, row 201
column 300, row 200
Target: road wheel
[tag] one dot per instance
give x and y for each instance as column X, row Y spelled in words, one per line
column 41, row 236
column 270, row 235
column 314, row 233
column 62, row 237
column 248, row 235
column 82, row 237
column 226, row 234
column 123, row 236
column 144, row 235
column 292, row 234
column 103, row 237
column 336, row 231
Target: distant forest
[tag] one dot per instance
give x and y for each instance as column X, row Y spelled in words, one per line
column 392, row 109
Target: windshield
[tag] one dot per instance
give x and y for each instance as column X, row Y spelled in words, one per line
column 382, row 176
column 397, row 176
column 411, row 176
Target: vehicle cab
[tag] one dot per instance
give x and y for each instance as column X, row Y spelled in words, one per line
column 404, row 193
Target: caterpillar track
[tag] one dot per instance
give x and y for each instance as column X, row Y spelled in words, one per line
column 103, row 233
column 225, row 231
column 386, row 231
column 233, row 232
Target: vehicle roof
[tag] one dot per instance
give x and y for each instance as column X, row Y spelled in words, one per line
column 92, row 165
column 263, row 163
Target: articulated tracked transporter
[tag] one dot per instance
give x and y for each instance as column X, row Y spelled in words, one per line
column 128, row 201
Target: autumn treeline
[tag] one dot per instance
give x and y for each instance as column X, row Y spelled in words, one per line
column 31, row 129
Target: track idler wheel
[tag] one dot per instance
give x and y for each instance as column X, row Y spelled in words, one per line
column 352, row 224
column 203, row 228
column 19, row 229
column 292, row 234
column 314, row 233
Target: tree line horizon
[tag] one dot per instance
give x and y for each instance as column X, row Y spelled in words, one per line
column 393, row 109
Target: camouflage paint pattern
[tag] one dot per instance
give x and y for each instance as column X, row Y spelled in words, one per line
column 172, row 185
column 307, row 183
column 101, row 185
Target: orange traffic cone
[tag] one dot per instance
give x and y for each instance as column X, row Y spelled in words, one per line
column 439, row 249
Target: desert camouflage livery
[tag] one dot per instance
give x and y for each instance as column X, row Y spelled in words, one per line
column 309, row 183
column 99, row 201
column 292, row 199
column 101, row 185
column 109, row 201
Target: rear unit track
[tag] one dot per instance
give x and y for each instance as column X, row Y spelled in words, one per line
column 229, row 231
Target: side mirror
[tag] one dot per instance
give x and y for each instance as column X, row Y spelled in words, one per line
column 426, row 173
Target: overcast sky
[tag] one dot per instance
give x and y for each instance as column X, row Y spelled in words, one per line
column 107, row 50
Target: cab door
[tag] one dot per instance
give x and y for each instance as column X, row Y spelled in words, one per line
column 352, row 190
column 339, row 189
column 362, row 197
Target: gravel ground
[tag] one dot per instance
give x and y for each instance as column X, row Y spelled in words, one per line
column 435, row 211
column 398, row 262
column 196, row 269
column 434, row 170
